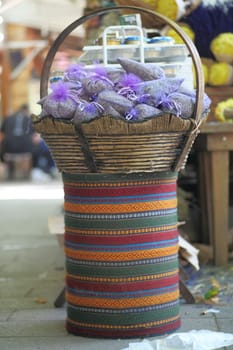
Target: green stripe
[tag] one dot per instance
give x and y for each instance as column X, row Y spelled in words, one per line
column 118, row 272
column 122, row 319
column 121, row 224
column 117, row 177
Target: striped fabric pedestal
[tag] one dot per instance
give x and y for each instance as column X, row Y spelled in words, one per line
column 121, row 246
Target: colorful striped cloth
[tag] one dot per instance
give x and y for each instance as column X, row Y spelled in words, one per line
column 121, row 246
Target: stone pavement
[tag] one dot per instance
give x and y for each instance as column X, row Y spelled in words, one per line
column 43, row 328
column 32, row 275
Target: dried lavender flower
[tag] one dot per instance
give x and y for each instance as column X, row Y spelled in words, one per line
column 120, row 103
column 184, row 103
column 110, row 111
column 163, row 86
column 86, row 111
column 141, row 112
column 93, row 85
column 192, row 93
column 115, row 74
column 145, row 71
column 61, row 102
column 75, row 73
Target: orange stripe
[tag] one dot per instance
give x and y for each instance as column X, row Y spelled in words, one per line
column 124, row 279
column 140, row 325
column 122, row 303
column 121, row 256
column 120, row 184
column 120, row 208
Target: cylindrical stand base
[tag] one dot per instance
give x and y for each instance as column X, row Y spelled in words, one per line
column 121, row 246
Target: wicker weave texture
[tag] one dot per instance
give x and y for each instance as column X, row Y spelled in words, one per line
column 116, row 146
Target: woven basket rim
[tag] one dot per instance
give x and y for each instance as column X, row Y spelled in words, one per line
column 110, row 125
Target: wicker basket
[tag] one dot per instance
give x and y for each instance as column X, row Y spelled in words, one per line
column 107, row 145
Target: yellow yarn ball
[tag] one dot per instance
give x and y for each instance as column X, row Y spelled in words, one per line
column 168, row 8
column 219, row 110
column 205, row 72
column 178, row 40
column 222, row 47
column 220, row 73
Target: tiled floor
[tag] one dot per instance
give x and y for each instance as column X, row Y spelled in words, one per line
column 32, row 275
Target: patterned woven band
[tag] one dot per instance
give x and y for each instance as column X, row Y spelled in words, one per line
column 121, row 246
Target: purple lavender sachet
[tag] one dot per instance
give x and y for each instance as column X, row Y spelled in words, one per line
column 134, row 92
column 61, row 103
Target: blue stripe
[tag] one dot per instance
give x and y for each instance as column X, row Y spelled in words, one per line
column 123, row 264
column 122, row 311
column 128, row 294
column 124, row 216
column 120, row 199
column 134, row 246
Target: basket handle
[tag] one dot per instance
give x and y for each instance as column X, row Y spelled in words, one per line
column 191, row 47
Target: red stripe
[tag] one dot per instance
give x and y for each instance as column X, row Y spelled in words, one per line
column 121, row 239
column 122, row 287
column 127, row 333
column 119, row 191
